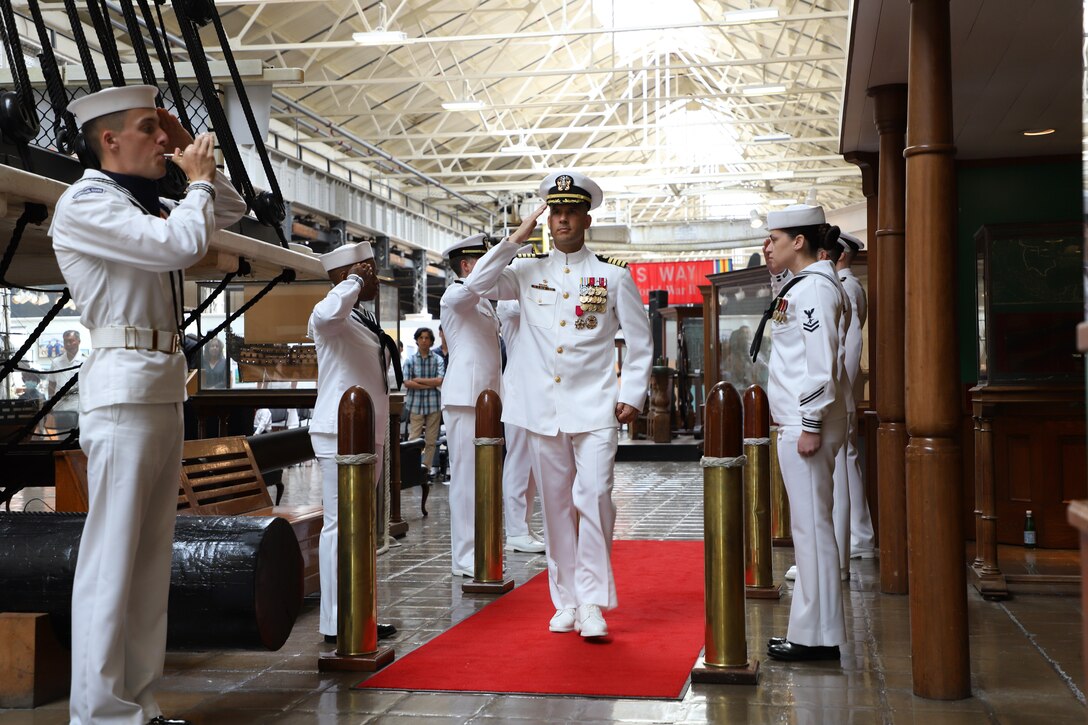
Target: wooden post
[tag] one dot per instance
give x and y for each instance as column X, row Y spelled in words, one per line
column 888, row 284
column 34, row 667
column 938, row 603
column 398, row 527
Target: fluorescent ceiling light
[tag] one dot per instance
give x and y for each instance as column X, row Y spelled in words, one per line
column 467, row 105
column 520, row 148
column 380, row 37
column 745, row 16
column 768, row 137
column 1038, row 132
column 763, row 90
column 777, row 174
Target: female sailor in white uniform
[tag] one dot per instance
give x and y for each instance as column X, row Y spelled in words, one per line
column 806, row 394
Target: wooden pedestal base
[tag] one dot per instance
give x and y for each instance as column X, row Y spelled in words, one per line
column 990, row 584
column 332, row 662
column 475, row 587
column 704, row 673
column 772, row 592
column 34, row 667
column 398, row 529
column 784, row 541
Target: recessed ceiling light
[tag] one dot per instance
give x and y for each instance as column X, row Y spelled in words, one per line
column 763, row 90
column 466, row 105
column 1038, row 132
column 380, row 37
column 768, row 137
column 745, row 16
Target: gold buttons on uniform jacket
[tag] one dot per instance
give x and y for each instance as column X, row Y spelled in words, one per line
column 557, row 379
column 559, row 350
column 566, row 270
column 566, row 295
column 562, row 323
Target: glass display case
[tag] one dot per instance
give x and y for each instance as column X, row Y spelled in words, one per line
column 1030, row 295
column 734, row 303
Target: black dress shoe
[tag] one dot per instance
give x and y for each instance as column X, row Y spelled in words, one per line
column 160, row 720
column 385, row 631
column 792, row 652
column 776, row 640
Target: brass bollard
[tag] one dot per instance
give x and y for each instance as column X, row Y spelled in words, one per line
column 725, row 659
column 758, row 577
column 488, row 572
column 357, row 559
column 781, row 531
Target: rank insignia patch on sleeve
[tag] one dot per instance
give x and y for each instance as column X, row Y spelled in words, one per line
column 810, row 324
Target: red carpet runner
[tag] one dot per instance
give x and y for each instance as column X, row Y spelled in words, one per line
column 655, row 636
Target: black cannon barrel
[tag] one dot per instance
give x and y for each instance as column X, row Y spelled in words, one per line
column 235, row 581
column 281, row 449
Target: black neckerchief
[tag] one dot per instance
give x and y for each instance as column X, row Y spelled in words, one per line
column 143, row 190
column 385, row 342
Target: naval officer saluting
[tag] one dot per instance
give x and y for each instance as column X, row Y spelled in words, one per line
column 471, row 330
column 120, row 254
column 352, row 349
column 807, row 391
column 561, row 386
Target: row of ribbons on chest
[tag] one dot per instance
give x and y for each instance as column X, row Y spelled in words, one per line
column 385, row 343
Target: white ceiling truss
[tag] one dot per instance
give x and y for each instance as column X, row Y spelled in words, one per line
column 647, row 97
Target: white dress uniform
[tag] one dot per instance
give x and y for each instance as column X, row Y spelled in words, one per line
column 471, row 329
column 347, row 354
column 561, row 386
column 116, row 258
column 807, row 377
column 518, row 483
column 861, row 540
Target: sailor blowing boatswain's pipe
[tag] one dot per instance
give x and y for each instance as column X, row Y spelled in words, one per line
column 118, row 246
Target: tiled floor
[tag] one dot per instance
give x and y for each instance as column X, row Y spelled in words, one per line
column 1025, row 652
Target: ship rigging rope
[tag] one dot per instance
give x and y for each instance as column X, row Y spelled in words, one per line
column 162, row 49
column 65, row 126
column 106, row 42
column 93, row 83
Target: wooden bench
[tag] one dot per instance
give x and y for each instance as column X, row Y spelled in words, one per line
column 219, row 477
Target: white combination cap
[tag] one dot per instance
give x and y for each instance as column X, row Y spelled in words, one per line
column 849, row 241
column 570, row 187
column 111, row 100
column 796, row 215
column 476, row 245
column 347, row 255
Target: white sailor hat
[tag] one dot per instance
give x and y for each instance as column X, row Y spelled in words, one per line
column 849, row 241
column 111, row 100
column 347, row 255
column 796, row 215
column 570, row 187
column 475, row 246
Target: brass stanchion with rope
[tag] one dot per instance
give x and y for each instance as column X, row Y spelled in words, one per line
column 357, row 559
column 758, row 576
column 781, row 531
column 488, row 572
column 725, row 659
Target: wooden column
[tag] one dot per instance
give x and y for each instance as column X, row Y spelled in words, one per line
column 890, row 115
column 711, row 348
column 938, row 602
column 869, row 163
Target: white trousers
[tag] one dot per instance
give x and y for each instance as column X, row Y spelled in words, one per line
column 853, row 523
column 816, row 613
column 460, row 423
column 518, row 482
column 122, row 579
column 575, row 473
column 328, row 544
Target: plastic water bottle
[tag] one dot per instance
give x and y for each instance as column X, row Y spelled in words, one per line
column 1029, row 531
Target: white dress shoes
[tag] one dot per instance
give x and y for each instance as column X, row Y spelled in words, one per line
column 526, row 544
column 590, row 621
column 562, row 621
column 791, row 573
